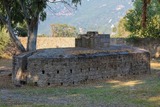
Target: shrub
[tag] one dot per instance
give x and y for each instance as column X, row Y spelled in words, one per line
column 133, row 39
column 4, row 41
column 63, row 30
column 22, row 32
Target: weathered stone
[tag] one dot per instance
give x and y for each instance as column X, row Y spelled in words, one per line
column 93, row 40
column 93, row 60
column 19, row 71
column 46, row 67
column 150, row 44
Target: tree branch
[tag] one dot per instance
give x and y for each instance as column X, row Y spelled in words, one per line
column 50, row 8
column 8, row 23
column 6, row 5
column 60, row 1
column 67, row 5
column 2, row 18
column 26, row 16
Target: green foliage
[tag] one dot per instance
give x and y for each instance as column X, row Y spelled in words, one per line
column 132, row 39
column 120, row 30
column 22, row 32
column 133, row 20
column 13, row 12
column 34, row 8
column 76, row 2
column 10, row 9
column 4, row 40
column 63, row 30
column 21, row 29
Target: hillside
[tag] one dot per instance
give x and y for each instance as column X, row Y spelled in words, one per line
column 98, row 15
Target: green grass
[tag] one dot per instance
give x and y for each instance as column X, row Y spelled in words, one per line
column 135, row 91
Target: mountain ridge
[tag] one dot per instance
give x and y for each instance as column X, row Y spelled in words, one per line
column 91, row 15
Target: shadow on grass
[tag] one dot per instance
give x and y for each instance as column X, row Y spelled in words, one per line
column 143, row 91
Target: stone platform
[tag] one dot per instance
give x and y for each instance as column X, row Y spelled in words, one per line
column 70, row 66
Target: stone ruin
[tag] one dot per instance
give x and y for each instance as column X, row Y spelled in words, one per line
column 92, row 59
column 93, row 40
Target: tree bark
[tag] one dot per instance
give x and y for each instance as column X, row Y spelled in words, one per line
column 15, row 39
column 6, row 20
column 144, row 13
column 32, row 35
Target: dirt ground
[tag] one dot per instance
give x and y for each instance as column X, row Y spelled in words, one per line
column 5, row 73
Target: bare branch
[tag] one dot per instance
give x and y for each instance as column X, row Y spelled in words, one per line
column 50, row 8
column 60, row 1
column 67, row 5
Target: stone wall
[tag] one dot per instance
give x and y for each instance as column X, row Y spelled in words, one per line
column 93, row 40
column 70, row 66
column 19, row 70
column 79, row 70
column 150, row 44
column 45, row 69
column 153, row 45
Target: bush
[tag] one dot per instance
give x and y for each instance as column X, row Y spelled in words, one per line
column 63, row 30
column 133, row 39
column 4, row 41
column 22, row 32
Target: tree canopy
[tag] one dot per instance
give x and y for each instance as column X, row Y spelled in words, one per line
column 133, row 20
column 63, row 30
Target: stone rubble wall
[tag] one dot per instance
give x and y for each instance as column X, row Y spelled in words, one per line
column 150, row 44
column 44, row 68
column 19, row 70
column 71, row 71
column 93, row 40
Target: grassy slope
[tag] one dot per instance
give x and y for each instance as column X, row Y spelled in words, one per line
column 135, row 91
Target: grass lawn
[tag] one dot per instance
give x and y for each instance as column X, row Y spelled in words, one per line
column 134, row 91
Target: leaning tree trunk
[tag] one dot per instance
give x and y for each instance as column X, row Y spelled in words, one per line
column 6, row 20
column 144, row 13
column 32, row 35
column 14, row 38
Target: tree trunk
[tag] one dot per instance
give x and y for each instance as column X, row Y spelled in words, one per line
column 144, row 14
column 14, row 38
column 6, row 20
column 32, row 35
